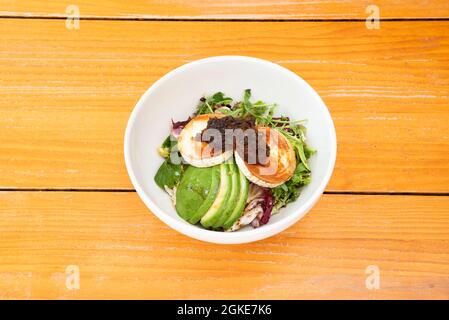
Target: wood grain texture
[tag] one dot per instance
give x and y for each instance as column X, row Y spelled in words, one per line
column 123, row 251
column 65, row 96
column 225, row 9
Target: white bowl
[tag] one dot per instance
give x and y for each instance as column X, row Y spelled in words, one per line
column 176, row 95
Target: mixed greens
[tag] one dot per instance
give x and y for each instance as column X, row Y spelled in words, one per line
column 260, row 202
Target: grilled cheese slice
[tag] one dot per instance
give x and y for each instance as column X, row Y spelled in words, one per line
column 198, row 153
column 280, row 165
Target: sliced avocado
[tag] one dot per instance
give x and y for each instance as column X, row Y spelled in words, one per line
column 240, row 202
column 196, row 192
column 233, row 196
column 220, row 203
column 213, row 191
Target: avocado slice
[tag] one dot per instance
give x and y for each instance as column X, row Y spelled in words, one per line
column 233, row 196
column 240, row 203
column 213, row 191
column 215, row 211
column 196, row 192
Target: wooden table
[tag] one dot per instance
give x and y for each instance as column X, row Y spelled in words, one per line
column 65, row 199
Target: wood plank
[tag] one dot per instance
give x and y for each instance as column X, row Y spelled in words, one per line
column 225, row 9
column 66, row 95
column 123, row 251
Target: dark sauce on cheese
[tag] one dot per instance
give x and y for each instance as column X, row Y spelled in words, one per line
column 240, row 134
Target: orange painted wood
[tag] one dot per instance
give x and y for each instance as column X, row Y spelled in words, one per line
column 123, row 251
column 66, row 95
column 225, row 9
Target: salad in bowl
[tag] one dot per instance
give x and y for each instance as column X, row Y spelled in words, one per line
column 218, row 149
column 233, row 163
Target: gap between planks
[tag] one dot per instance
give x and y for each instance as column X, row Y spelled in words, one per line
column 359, row 193
column 189, row 19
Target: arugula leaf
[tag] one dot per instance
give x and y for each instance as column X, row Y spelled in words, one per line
column 308, row 151
column 260, row 110
column 301, row 177
column 300, row 151
column 219, row 98
column 210, row 103
column 289, row 191
column 169, row 174
column 246, row 97
column 284, row 194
